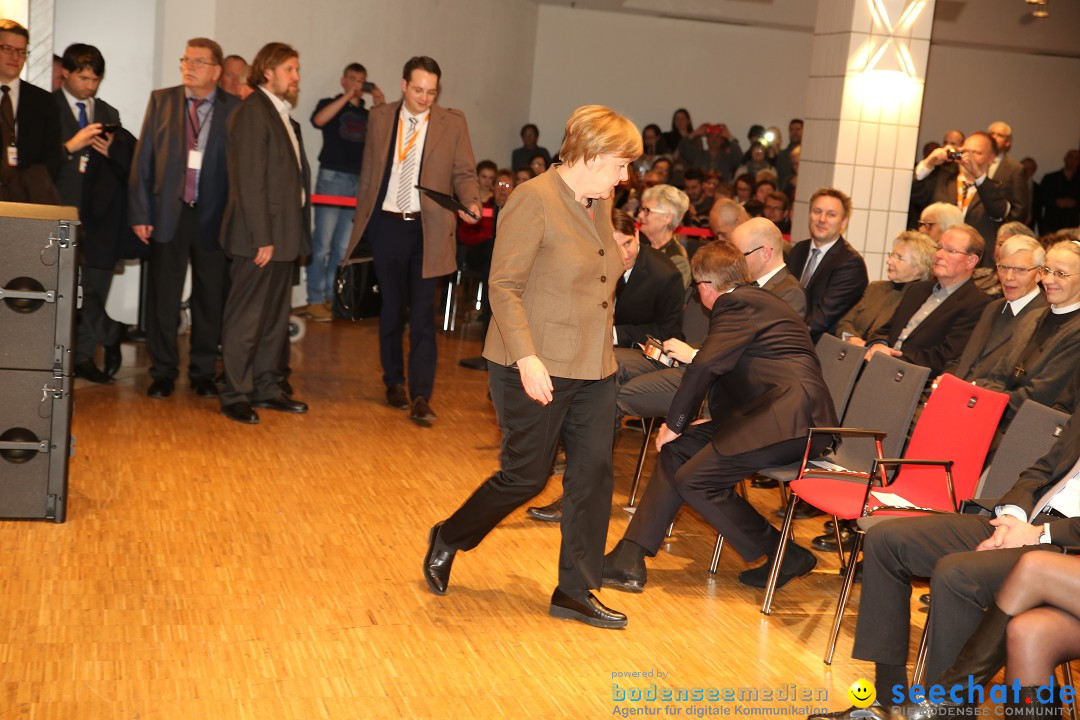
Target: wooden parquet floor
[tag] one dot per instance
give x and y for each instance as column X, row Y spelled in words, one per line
column 213, row 570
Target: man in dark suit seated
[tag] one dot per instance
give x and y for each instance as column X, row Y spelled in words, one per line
column 831, row 271
column 966, row 557
column 763, row 380
column 935, row 317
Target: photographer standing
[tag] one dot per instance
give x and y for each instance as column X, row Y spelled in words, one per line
column 958, row 176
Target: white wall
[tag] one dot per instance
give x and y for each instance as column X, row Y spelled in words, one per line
column 646, row 67
column 1035, row 94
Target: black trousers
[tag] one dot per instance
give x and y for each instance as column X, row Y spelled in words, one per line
column 963, row 583
column 168, row 265
column 94, row 326
column 582, row 413
column 255, row 337
column 691, row 471
column 397, row 248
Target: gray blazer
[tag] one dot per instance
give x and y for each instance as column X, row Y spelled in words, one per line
column 788, row 289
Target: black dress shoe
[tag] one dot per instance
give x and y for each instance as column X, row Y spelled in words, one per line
column 874, row 712
column 589, row 611
column 924, row 599
column 802, row 511
column 473, row 363
column 760, row 481
column 204, row 387
column 241, row 412
column 286, row 388
column 624, row 568
column 421, row 411
column 397, row 398
column 798, row 561
column 87, row 370
column 282, row 404
column 827, row 542
column 160, row 389
column 547, row 513
column 113, row 358
column 437, row 562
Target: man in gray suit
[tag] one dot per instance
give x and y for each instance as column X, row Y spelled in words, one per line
column 267, row 226
column 1009, row 173
column 177, row 197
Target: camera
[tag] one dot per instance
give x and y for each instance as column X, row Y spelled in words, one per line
column 954, row 155
column 367, row 87
column 713, row 128
column 109, row 128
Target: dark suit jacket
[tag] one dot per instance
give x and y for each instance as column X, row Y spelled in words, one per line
column 651, row 302
column 836, row 286
column 157, row 178
column 1010, row 175
column 266, row 184
column 788, row 289
column 941, row 337
column 1047, row 372
column 878, row 304
column 447, row 165
column 761, row 373
column 984, row 350
column 100, row 193
column 38, row 145
column 986, row 212
column 1034, row 482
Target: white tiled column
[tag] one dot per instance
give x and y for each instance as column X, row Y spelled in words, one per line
column 864, row 99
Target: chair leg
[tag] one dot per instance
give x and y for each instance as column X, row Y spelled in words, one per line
column 671, row 529
column 647, row 425
column 782, row 489
column 841, row 603
column 716, row 552
column 920, row 658
column 774, row 571
column 839, row 546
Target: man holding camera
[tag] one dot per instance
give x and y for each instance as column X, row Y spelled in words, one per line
column 959, row 176
column 722, row 153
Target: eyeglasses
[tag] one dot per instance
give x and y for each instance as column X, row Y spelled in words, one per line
column 504, row 184
column 1060, row 274
column 1006, row 269
column 751, row 252
column 196, row 62
column 951, row 251
column 895, row 256
column 923, row 223
column 12, row 50
column 647, row 211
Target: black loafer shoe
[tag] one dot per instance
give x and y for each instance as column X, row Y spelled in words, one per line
column 204, row 387
column 240, row 412
column 160, row 389
column 282, row 404
column 286, row 388
column 421, row 411
column 397, row 398
column 760, row 481
column 113, row 357
column 547, row 513
column 874, row 712
column 798, row 561
column 827, row 542
column 589, row 611
column 803, row 511
column 87, row 370
column 473, row 363
column 631, row 580
column 437, row 563
column 924, row 599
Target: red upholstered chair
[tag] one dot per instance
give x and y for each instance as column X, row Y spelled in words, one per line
column 940, row 468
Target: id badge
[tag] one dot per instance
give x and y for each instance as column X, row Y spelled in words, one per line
column 12, row 156
column 84, row 160
column 194, row 160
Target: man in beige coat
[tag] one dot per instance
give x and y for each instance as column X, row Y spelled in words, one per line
column 412, row 238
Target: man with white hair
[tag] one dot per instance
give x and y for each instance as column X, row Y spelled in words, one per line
column 938, row 217
column 1009, row 173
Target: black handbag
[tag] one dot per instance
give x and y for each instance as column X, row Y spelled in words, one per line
column 356, row 291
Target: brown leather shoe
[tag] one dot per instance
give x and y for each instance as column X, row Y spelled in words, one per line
column 421, row 410
column 397, row 398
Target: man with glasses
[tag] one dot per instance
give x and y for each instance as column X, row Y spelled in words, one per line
column 177, row 195
column 936, row 317
column 29, row 126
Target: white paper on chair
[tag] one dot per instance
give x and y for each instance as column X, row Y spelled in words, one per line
column 892, row 500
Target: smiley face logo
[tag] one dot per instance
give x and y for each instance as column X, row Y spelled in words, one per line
column 861, row 693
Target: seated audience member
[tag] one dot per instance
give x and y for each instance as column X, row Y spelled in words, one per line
column 721, row 153
column 654, row 148
column 1059, row 205
column 762, row 245
column 965, row 183
column 662, row 169
column 523, row 175
column 910, row 260
column 476, row 242
column 522, row 156
column 775, row 210
column 538, row 164
column 935, row 317
column 793, row 181
column 662, row 208
column 762, row 188
column 744, row 188
column 485, row 175
column 725, row 216
column 938, row 217
column 757, row 347
column 967, row 558
column 700, row 203
column 649, row 296
column 986, row 279
column 829, row 269
column 681, row 128
column 710, row 183
column 757, row 161
column 1009, row 173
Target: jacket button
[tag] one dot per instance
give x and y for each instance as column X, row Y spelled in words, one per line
column 601, row 251
column 603, row 278
column 604, row 304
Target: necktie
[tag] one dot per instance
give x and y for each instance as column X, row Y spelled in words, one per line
column 1007, row 311
column 192, row 127
column 7, row 127
column 405, row 179
column 83, row 120
column 811, row 265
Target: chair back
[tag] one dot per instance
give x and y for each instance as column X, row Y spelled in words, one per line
column 885, row 398
column 840, row 366
column 958, row 424
column 1031, row 434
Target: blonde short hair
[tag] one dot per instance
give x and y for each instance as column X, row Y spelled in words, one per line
column 671, row 200
column 921, row 248
column 595, row 130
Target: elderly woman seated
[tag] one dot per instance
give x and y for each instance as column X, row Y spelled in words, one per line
column 662, row 208
column 911, row 259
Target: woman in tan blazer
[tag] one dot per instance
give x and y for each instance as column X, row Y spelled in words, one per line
column 551, row 367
